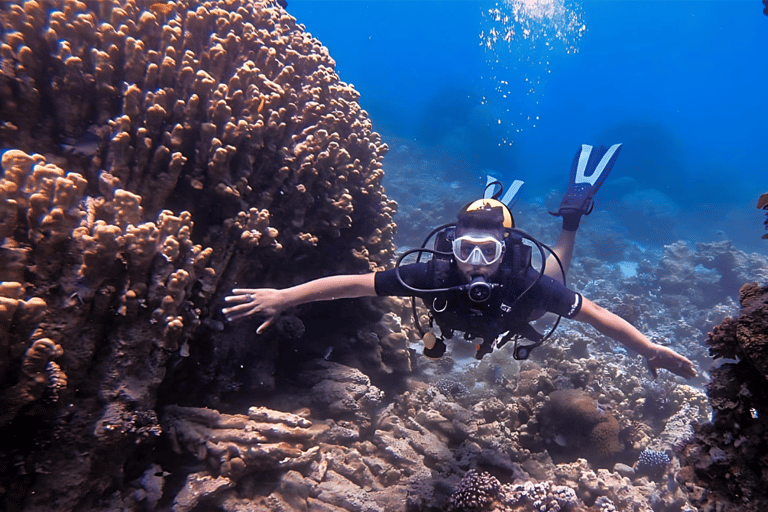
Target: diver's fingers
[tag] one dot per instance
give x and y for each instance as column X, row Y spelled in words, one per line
column 687, row 370
column 241, row 311
column 244, row 291
column 264, row 325
column 240, row 307
column 652, row 369
column 241, row 295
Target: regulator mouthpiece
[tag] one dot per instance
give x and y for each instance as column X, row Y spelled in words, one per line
column 479, row 290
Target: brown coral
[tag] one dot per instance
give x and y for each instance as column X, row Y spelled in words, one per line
column 219, row 101
column 574, row 425
column 73, row 275
column 264, row 440
column 726, row 455
column 227, row 149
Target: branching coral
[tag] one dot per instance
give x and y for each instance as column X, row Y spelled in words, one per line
column 474, row 492
column 225, row 103
column 86, row 276
column 478, row 491
column 224, row 149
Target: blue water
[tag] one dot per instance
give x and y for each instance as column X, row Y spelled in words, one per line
column 680, row 83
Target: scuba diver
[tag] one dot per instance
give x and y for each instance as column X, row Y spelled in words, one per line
column 480, row 279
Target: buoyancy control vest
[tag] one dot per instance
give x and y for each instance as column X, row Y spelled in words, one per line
column 503, row 313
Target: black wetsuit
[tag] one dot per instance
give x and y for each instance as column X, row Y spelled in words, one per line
column 454, row 310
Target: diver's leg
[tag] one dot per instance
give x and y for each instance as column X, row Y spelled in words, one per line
column 564, row 250
column 589, row 170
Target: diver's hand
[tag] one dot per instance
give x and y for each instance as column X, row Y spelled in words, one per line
column 266, row 302
column 667, row 358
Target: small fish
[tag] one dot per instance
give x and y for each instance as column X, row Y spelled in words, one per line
column 261, row 105
column 327, row 353
column 161, row 8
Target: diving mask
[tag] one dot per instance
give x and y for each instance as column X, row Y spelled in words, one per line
column 477, row 250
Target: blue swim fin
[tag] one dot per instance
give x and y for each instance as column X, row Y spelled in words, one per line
column 510, row 196
column 589, row 170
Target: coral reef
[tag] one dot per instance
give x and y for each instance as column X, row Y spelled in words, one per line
column 474, row 491
column 725, row 457
column 717, row 268
column 226, row 108
column 652, row 463
column 158, row 157
column 233, row 446
column 572, row 422
column 479, row 491
column 90, row 285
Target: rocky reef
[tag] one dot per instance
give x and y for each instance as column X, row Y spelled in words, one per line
column 153, row 159
column 156, row 155
column 726, row 464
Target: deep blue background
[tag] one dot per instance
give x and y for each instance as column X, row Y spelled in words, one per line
column 681, row 83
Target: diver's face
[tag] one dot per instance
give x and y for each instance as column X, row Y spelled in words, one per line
column 476, row 266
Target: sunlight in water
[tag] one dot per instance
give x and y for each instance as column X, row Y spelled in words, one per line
column 535, row 20
column 520, row 37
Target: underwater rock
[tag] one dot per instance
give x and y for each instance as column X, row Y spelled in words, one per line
column 199, row 487
column 339, row 391
column 726, row 456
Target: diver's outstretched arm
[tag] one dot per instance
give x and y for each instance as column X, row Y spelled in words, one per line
column 269, row 302
column 614, row 326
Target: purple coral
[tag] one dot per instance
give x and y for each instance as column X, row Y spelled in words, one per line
column 452, row 388
column 542, row 496
column 651, row 463
column 474, row 491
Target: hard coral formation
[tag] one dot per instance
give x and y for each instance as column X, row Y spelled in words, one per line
column 474, row 491
column 222, row 148
column 224, row 105
column 233, row 445
column 573, row 423
column 482, row 491
column 651, row 463
column 91, row 286
column 726, row 455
